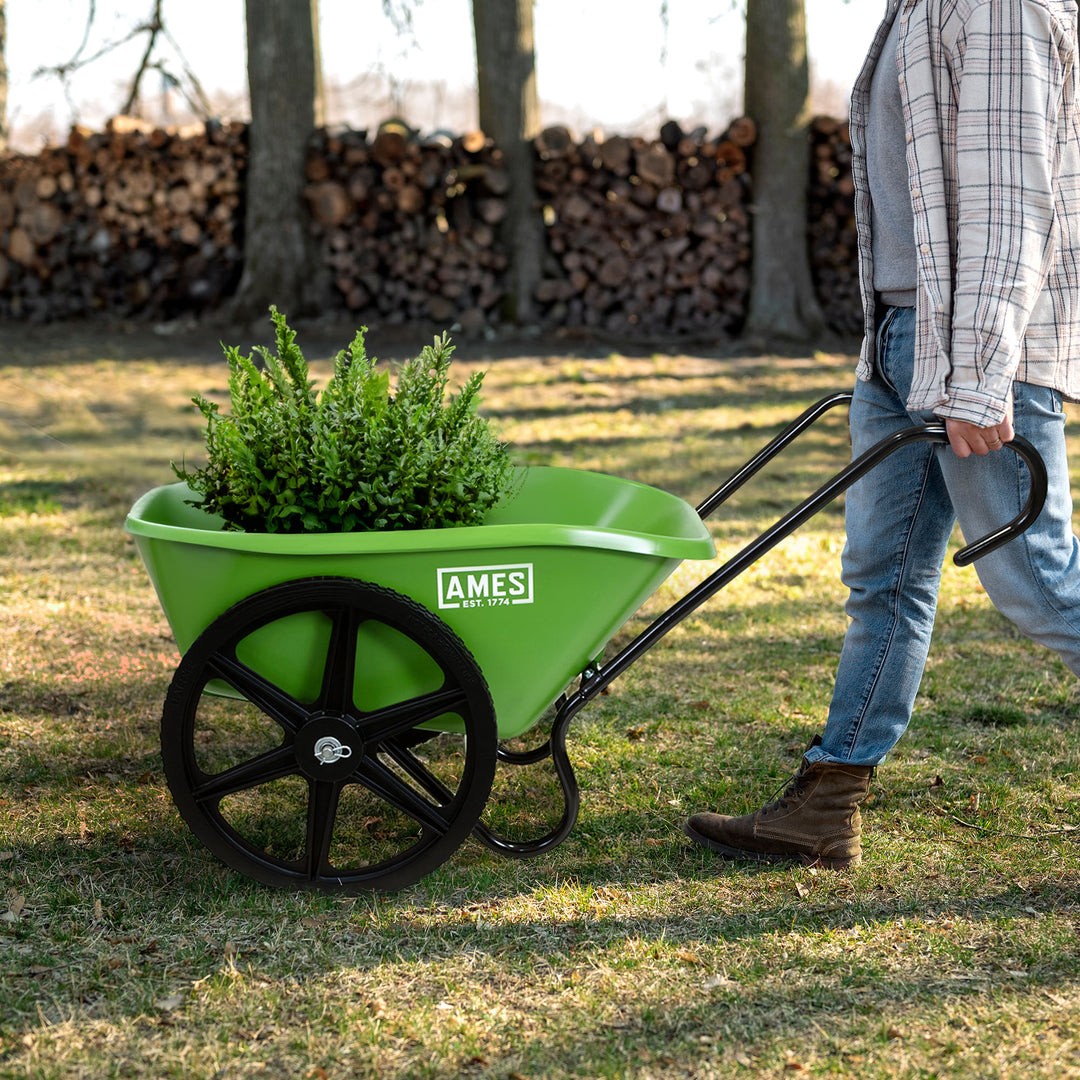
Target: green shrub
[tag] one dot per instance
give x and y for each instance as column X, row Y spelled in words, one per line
column 358, row 456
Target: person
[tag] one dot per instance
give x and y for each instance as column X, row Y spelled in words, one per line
column 965, row 133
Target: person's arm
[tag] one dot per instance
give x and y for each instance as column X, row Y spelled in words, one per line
column 1010, row 89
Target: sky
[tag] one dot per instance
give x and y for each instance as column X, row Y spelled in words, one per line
column 600, row 63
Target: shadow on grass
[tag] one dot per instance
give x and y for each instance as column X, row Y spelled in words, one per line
column 84, row 342
column 659, row 403
column 754, row 992
column 36, row 497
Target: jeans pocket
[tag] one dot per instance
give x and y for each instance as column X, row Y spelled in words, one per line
column 896, row 350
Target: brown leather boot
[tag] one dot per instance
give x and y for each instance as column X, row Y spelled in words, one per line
column 814, row 821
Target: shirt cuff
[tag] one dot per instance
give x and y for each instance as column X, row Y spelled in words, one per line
column 982, row 410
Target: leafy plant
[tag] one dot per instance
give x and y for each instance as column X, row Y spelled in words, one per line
column 359, row 456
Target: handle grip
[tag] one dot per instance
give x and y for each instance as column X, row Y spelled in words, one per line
column 935, row 432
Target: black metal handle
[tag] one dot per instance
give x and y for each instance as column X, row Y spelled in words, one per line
column 933, row 432
column 936, row 432
column 770, row 450
column 810, row 506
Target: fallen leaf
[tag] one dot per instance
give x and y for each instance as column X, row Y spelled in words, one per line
column 801, row 890
column 688, row 957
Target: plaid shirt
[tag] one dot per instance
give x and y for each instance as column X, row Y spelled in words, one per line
column 989, row 89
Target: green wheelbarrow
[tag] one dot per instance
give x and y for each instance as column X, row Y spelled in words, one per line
column 343, row 700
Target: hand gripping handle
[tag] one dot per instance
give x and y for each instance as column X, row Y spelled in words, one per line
column 936, row 433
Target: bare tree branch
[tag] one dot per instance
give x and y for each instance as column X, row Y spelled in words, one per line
column 90, row 15
column 400, row 13
column 202, row 106
column 153, row 27
column 62, row 71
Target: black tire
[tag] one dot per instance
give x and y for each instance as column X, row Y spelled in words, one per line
column 323, row 793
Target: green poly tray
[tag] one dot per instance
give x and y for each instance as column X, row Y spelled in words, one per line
column 535, row 593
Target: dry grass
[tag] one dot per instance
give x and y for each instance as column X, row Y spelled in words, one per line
column 127, row 951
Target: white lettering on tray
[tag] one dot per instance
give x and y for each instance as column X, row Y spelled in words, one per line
column 485, row 586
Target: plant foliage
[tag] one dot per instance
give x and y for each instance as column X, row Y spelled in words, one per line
column 361, row 455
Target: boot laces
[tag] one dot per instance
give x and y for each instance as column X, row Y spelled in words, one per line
column 790, row 789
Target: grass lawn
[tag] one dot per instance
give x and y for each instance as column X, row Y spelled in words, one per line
column 127, row 950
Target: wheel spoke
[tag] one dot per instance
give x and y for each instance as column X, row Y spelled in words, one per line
column 384, row 724
column 339, row 674
column 322, row 815
column 385, row 783
column 423, row 776
column 272, row 765
column 263, row 694
column 241, row 797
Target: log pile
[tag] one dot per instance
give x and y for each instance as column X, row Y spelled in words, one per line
column 408, row 227
column 132, row 221
column 646, row 237
column 834, row 253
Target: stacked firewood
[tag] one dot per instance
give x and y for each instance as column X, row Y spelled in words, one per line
column 647, row 237
column 408, row 227
column 831, row 225
column 135, row 220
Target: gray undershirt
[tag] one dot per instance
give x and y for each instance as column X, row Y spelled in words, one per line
column 892, row 226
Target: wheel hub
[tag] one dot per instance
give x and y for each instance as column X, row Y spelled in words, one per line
column 328, row 748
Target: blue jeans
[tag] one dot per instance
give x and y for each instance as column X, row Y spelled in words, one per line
column 899, row 519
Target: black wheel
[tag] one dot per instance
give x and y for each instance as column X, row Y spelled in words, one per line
column 347, row 741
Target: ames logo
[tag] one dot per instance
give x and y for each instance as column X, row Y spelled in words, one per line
column 485, row 586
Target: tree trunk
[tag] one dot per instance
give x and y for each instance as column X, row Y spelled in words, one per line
column 3, row 80
column 509, row 114
column 283, row 84
column 777, row 86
